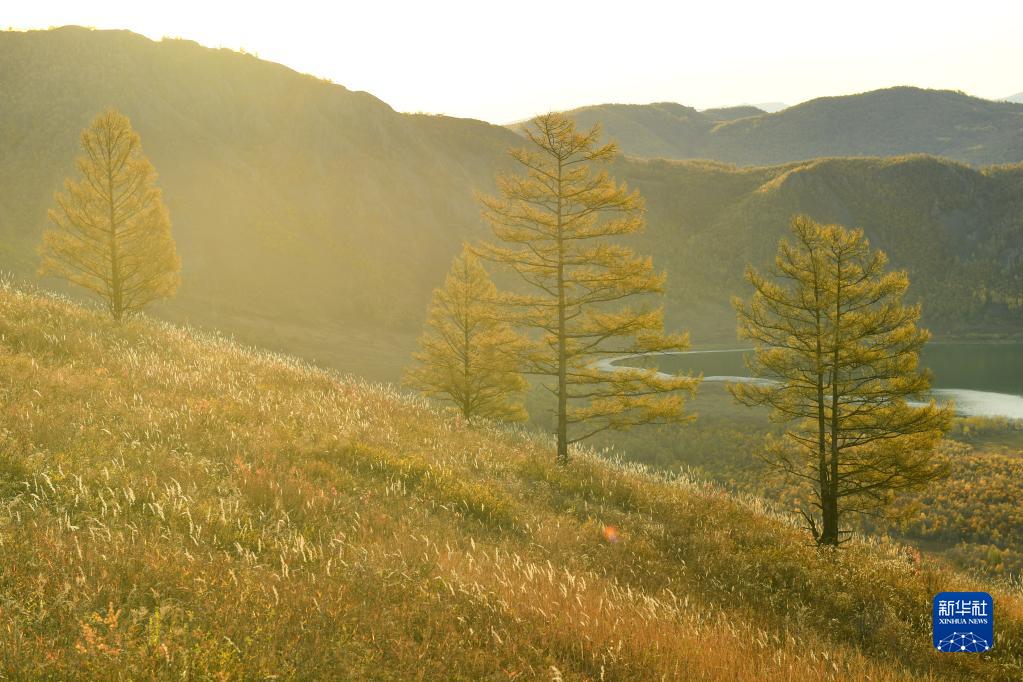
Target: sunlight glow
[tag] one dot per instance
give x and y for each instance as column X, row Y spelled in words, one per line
column 495, row 61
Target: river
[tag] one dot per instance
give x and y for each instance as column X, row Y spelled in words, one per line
column 983, row 379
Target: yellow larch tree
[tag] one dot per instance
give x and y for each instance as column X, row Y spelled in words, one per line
column 112, row 231
column 836, row 352
column 555, row 225
column 469, row 355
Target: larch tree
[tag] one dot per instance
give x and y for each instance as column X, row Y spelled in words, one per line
column 469, row 355
column 555, row 224
column 112, row 231
column 836, row 352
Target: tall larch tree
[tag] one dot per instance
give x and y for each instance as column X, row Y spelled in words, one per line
column 469, row 355
column 837, row 352
column 555, row 224
column 112, row 231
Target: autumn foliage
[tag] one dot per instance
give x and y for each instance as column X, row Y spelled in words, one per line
column 111, row 230
column 226, row 513
column 469, row 355
column 558, row 225
column 836, row 355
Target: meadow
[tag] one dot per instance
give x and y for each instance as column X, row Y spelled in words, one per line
column 174, row 505
column 971, row 519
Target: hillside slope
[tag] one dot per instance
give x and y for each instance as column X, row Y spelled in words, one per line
column 173, row 505
column 890, row 122
column 316, row 220
column 956, row 230
column 663, row 129
column 288, row 194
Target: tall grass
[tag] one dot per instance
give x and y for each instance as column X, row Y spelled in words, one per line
column 173, row 505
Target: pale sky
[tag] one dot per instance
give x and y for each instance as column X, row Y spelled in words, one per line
column 507, row 61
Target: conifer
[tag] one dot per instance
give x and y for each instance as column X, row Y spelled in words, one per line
column 112, row 231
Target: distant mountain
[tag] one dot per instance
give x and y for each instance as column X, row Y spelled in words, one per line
column 1018, row 97
column 316, row 220
column 732, row 113
column 956, row 229
column 771, row 107
column 664, row 129
column 891, row 122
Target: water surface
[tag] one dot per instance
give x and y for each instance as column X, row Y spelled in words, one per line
column 984, row 379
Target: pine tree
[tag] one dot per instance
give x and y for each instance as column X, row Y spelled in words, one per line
column 468, row 355
column 839, row 351
column 556, row 222
column 112, row 231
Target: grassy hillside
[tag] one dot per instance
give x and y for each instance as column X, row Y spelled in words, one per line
column 316, row 220
column 890, row 122
column 972, row 519
column 174, row 505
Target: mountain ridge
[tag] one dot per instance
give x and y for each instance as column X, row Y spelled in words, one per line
column 888, row 122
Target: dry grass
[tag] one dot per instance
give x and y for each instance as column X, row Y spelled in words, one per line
column 175, row 506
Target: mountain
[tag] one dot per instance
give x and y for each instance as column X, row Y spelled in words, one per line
column 664, row 129
column 1018, row 97
column 296, row 203
column 957, row 230
column 226, row 513
column 891, row 122
column 316, row 220
column 771, row 107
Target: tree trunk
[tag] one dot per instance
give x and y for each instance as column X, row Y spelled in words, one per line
column 829, row 502
column 822, row 445
column 562, row 373
column 467, row 393
column 829, row 518
column 562, row 414
column 562, row 354
column 116, row 295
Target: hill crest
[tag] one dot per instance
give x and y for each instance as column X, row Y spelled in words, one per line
column 892, row 121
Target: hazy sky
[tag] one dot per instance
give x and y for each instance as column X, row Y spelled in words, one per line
column 507, row 61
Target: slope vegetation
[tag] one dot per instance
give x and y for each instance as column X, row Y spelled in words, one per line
column 958, row 231
column 173, row 505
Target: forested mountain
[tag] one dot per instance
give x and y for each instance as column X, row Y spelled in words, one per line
column 956, row 229
column 889, row 122
column 664, row 129
column 316, row 219
column 1018, row 97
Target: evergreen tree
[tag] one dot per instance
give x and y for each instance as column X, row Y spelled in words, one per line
column 839, row 351
column 468, row 355
column 112, row 231
column 555, row 223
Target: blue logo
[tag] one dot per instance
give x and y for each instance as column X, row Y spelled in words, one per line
column 964, row 621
